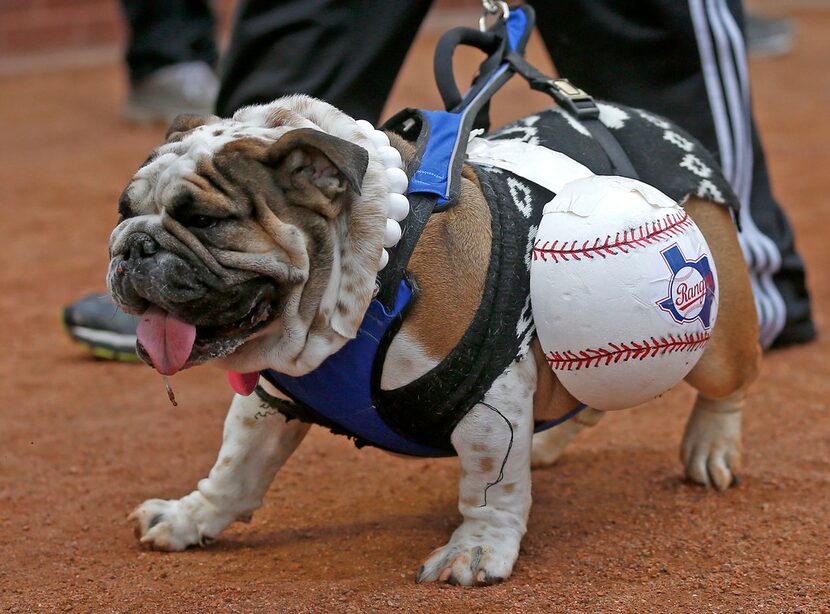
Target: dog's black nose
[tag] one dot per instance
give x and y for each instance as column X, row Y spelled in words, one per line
column 140, row 245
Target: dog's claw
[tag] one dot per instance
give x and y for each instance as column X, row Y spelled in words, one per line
column 485, row 579
column 711, row 450
column 719, row 473
column 470, row 564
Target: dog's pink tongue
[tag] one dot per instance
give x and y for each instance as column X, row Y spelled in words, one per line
column 166, row 339
column 243, row 383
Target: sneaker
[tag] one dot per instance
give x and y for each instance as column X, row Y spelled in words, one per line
column 187, row 87
column 97, row 324
column 768, row 36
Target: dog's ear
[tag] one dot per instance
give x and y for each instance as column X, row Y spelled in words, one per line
column 184, row 123
column 314, row 168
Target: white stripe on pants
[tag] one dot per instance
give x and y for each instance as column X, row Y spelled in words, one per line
column 723, row 59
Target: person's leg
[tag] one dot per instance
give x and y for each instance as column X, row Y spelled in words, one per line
column 687, row 61
column 165, row 32
column 347, row 52
column 170, row 58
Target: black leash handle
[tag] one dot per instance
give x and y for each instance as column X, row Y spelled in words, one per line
column 502, row 38
column 490, row 42
column 580, row 105
column 505, row 57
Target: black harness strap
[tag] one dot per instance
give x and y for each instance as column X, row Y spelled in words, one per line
column 410, row 125
column 428, row 408
column 579, row 104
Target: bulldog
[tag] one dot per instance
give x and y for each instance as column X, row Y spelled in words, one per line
column 255, row 243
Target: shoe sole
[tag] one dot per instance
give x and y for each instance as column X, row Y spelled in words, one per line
column 103, row 344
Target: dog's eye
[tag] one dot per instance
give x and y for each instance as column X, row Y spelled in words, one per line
column 202, row 221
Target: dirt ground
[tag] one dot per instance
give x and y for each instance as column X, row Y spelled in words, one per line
column 613, row 526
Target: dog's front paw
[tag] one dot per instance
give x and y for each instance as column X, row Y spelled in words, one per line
column 172, row 525
column 475, row 555
column 711, row 449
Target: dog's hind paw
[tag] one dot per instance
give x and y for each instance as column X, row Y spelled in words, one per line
column 471, row 561
column 169, row 525
column 549, row 445
column 711, row 449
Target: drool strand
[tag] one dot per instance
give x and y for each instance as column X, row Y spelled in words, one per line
column 169, row 388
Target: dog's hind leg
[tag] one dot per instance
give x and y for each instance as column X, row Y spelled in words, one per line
column 493, row 444
column 552, row 401
column 711, row 448
column 256, row 443
column 549, row 445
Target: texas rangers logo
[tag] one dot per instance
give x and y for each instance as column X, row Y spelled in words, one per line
column 691, row 288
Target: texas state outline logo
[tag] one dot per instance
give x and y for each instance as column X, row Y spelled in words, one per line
column 691, row 292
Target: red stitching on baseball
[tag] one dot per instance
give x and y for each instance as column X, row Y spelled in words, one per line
column 623, row 352
column 672, row 225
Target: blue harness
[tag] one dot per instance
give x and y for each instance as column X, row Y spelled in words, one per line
column 340, row 389
column 342, row 393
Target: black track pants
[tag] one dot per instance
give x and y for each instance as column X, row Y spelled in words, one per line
column 164, row 32
column 684, row 59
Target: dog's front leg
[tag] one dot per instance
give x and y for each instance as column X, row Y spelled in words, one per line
column 256, row 443
column 493, row 443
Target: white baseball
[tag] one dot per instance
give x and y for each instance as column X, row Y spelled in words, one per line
column 624, row 291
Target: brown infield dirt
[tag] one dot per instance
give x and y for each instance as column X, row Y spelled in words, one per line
column 614, row 528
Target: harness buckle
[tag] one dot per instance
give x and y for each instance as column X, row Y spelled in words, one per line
column 497, row 8
column 575, row 100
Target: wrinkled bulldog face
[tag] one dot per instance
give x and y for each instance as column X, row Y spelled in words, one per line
column 250, row 239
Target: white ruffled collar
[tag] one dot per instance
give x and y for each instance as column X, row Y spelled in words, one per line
column 397, row 204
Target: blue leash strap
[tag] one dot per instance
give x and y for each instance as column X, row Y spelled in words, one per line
column 549, row 424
